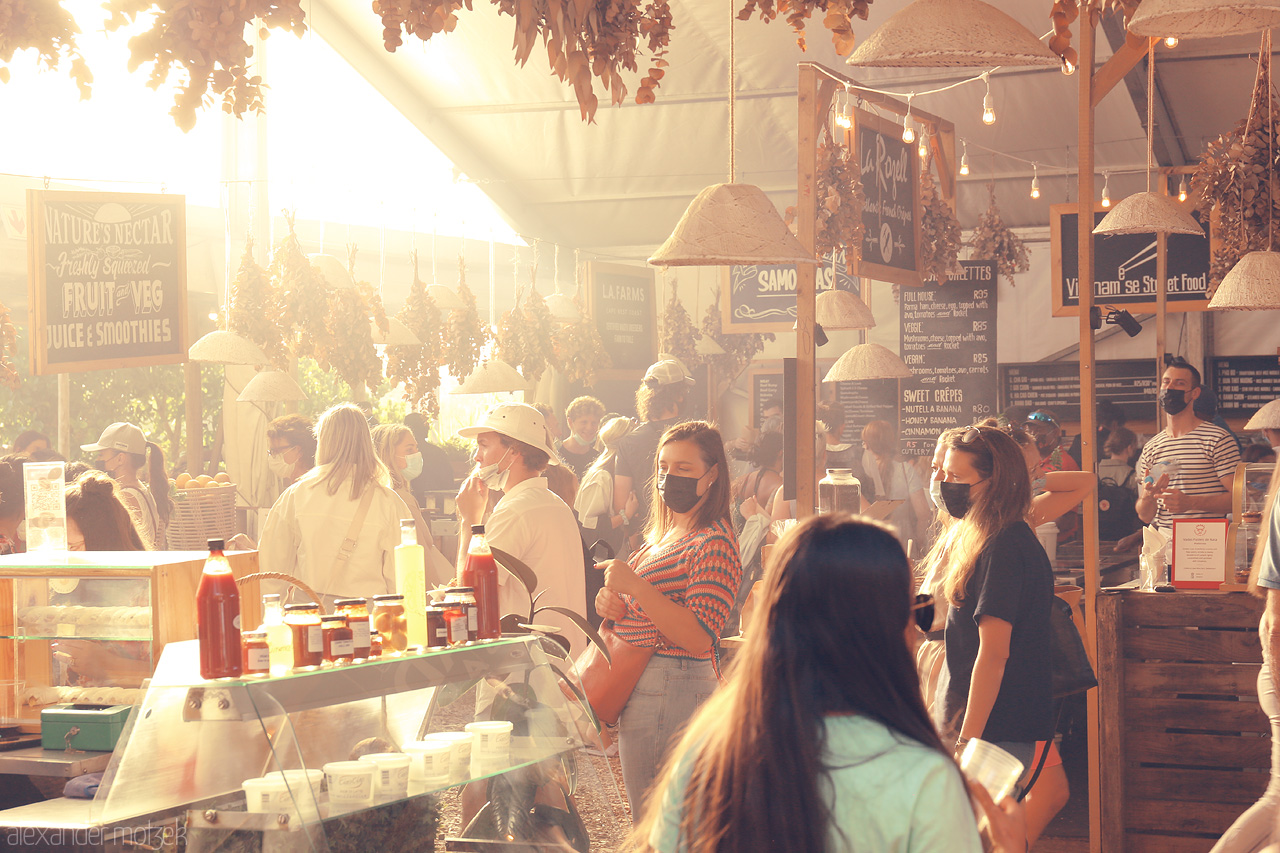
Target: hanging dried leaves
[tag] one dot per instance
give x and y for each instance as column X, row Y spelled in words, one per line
column 679, row 336
column 1063, row 14
column 838, row 17
column 348, row 348
column 992, row 240
column 586, row 40
column 207, row 39
column 579, row 350
column 465, row 334
column 1237, row 177
column 48, row 29
column 9, row 377
column 509, row 342
column 255, row 309
column 739, row 349
column 940, row 239
column 303, row 296
column 417, row 368
column 537, row 336
column 840, row 203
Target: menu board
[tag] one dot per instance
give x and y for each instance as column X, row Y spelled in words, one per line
column 863, row 402
column 107, row 283
column 1244, row 383
column 766, row 384
column 948, row 339
column 1129, row 383
column 890, row 170
column 1124, row 267
column 762, row 298
column 624, row 302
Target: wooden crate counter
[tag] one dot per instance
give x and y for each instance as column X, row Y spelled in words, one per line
column 1185, row 749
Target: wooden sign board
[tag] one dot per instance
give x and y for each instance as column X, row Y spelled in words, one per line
column 1129, row 383
column 762, row 298
column 107, row 280
column 891, row 188
column 764, row 383
column 1244, row 383
column 1125, row 267
column 624, row 302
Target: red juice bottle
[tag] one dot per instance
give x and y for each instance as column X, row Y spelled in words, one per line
column 481, row 574
column 218, row 617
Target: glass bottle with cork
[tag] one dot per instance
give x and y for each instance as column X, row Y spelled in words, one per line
column 411, row 582
column 480, row 573
column 218, row 617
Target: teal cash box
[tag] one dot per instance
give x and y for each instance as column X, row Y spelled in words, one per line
column 99, row 726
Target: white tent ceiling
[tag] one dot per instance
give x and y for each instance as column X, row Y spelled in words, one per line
column 616, row 187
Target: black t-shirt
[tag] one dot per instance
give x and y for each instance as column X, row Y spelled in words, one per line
column 577, row 462
column 636, row 454
column 1012, row 580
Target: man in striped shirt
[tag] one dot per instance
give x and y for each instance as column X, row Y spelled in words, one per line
column 1187, row 469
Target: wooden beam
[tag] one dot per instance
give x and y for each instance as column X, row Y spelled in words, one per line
column 1121, row 63
column 815, row 93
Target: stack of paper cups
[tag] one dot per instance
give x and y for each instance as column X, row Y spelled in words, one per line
column 491, row 752
column 431, row 766
column 350, row 785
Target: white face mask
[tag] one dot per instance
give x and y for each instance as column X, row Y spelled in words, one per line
column 279, row 467
column 491, row 476
column 413, row 466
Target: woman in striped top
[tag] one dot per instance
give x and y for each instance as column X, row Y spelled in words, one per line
column 674, row 595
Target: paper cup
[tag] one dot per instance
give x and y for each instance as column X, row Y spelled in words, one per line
column 262, row 795
column 392, row 779
column 492, row 749
column 350, row 785
column 460, row 758
column 997, row 770
column 432, row 760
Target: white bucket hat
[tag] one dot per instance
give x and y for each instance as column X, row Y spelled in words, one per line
column 120, row 436
column 520, row 421
column 1268, row 417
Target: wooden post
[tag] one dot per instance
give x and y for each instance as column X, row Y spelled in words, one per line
column 810, row 110
column 1162, row 312
column 193, row 406
column 64, row 414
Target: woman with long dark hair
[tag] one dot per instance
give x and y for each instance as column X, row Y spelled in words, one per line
column 820, row 741
column 674, row 596
column 96, row 518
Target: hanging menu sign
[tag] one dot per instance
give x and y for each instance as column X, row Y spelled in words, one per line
column 762, row 298
column 1244, row 383
column 1129, row 383
column 1124, row 267
column 623, row 301
column 890, row 171
column 766, row 385
column 107, row 282
column 863, row 402
column 948, row 339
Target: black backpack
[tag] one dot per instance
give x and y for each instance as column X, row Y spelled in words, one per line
column 1117, row 515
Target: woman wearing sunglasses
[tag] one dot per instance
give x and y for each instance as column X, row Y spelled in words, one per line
column 820, row 740
column 998, row 584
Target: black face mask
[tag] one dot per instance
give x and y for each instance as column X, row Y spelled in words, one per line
column 680, row 494
column 1173, row 400
column 955, row 497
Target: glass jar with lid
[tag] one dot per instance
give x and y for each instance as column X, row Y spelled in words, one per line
column 338, row 644
column 839, row 491
column 389, row 620
column 308, row 642
column 356, row 611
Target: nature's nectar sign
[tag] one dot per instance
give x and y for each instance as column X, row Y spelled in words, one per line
column 107, row 280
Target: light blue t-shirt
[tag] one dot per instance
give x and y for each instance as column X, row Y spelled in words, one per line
column 1269, row 570
column 887, row 794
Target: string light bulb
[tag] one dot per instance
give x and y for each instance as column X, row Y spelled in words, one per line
column 988, row 106
column 1068, row 67
column 1035, row 181
column 924, row 144
column 908, row 132
column 1106, row 191
column 1182, row 189
column 844, row 114
column 1171, row 42
column 964, row 158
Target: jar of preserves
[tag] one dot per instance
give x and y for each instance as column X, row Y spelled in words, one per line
column 437, row 630
column 375, row 645
column 255, row 658
column 308, row 642
column 839, row 491
column 389, row 621
column 338, row 645
column 464, row 597
column 356, row 611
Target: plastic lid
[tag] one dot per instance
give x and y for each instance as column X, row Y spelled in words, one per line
column 341, row 619
column 217, row 544
column 253, row 634
column 295, row 608
column 388, row 598
column 459, row 589
column 351, row 602
column 477, row 528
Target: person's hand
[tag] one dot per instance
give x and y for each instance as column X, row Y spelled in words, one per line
column 619, row 577
column 1156, row 489
column 240, row 542
column 1175, row 501
column 1006, row 822
column 749, row 507
column 631, row 507
column 609, row 605
column 472, row 500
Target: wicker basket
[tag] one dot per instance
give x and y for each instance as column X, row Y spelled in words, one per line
column 200, row 515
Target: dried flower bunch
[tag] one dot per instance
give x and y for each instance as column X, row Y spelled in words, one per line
column 418, row 367
column 255, row 309
column 838, row 17
column 579, row 350
column 303, row 296
column 348, row 346
column 679, row 336
column 1237, row 177
column 939, row 249
column 739, row 349
column 1063, row 14
column 8, row 347
column 206, row 38
column 465, row 335
column 508, row 342
column 537, row 336
column 840, row 202
column 48, row 29
column 992, row 240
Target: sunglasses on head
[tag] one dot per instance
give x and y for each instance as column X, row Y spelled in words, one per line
column 1041, row 417
column 923, row 611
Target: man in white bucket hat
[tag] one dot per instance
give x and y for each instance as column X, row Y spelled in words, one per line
column 1267, row 419
column 530, row 523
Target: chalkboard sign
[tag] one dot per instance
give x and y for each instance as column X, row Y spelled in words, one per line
column 1129, row 383
column 765, row 384
column 1124, row 267
column 890, row 171
column 863, row 402
column 107, row 283
column 761, row 298
column 948, row 339
column 624, row 302
column 1244, row 383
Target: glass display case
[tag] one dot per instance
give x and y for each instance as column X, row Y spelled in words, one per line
column 1248, row 502
column 271, row 762
column 88, row 627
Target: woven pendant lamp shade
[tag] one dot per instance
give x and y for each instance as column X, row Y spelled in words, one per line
column 398, row 334
column 222, row 347
column 840, row 309
column 333, row 271
column 1148, row 213
column 1268, row 417
column 951, row 33
column 867, row 361
column 271, row 386
column 1252, row 285
column 445, row 298
column 492, row 377
column 1204, row 18
column 728, row 225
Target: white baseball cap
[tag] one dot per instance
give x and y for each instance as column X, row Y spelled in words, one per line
column 668, row 371
column 120, row 436
column 520, row 421
column 1268, row 417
